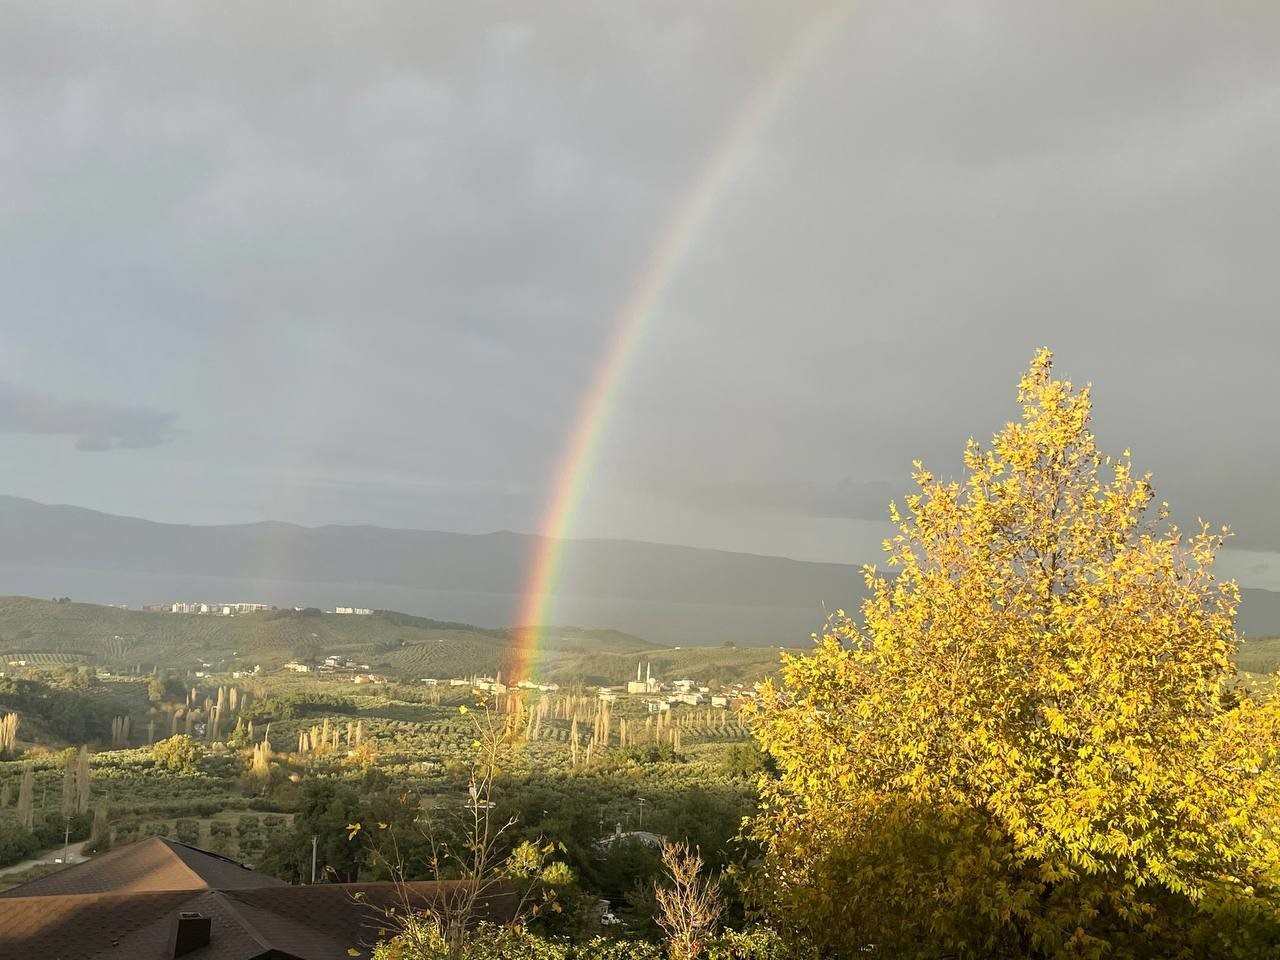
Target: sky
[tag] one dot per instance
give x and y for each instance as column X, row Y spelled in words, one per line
column 358, row 262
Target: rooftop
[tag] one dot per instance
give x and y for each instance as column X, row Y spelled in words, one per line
column 126, row 903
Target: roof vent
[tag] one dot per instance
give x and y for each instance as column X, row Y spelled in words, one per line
column 190, row 932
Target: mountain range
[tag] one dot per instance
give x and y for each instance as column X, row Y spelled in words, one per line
column 664, row 593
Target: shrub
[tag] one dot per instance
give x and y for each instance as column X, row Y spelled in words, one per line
column 51, row 830
column 16, row 843
column 179, row 754
column 188, row 831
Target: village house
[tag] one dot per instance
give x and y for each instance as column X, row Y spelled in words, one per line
column 157, row 899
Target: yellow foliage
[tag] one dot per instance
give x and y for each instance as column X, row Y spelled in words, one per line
column 1034, row 742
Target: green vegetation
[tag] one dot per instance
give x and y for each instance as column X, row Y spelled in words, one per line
column 48, row 634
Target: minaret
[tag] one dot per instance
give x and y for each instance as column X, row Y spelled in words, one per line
column 637, row 671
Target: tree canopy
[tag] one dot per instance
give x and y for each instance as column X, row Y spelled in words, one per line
column 1034, row 741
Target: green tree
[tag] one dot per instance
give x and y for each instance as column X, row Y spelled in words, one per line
column 82, row 781
column 69, row 805
column 180, row 755
column 1034, row 743
column 26, row 797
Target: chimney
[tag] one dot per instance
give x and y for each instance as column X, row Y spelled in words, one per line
column 190, row 932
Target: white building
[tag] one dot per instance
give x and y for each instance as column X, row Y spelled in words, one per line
column 647, row 685
column 356, row 611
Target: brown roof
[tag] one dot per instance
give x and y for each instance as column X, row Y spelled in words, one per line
column 82, row 926
column 151, row 864
column 269, row 921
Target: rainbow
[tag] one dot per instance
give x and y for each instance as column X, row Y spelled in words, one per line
column 676, row 240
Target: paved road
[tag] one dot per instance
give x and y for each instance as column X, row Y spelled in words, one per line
column 73, row 852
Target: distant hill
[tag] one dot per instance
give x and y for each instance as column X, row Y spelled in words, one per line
column 48, row 633
column 666, row 594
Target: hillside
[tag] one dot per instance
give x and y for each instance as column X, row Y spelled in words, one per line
column 46, row 632
column 670, row 595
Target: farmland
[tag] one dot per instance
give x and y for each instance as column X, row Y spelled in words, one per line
column 75, row 672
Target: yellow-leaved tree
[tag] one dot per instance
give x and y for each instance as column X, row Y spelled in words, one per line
column 1034, row 741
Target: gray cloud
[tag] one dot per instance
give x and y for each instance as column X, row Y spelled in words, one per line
column 376, row 255
column 96, row 427
column 844, row 498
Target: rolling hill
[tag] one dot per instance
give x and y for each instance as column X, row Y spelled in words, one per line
column 48, row 633
column 670, row 595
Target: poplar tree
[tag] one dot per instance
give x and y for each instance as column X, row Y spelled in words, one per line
column 69, row 805
column 82, row 780
column 26, row 797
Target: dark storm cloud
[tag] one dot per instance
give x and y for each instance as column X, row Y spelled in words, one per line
column 843, row 498
column 375, row 253
column 96, row 427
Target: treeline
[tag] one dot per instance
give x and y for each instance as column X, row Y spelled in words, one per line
column 294, row 706
column 17, row 843
column 65, row 712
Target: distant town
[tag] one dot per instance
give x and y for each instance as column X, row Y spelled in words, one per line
column 204, row 608
column 657, row 696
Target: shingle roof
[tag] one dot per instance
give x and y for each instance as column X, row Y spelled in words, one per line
column 152, row 864
column 82, row 926
column 254, row 921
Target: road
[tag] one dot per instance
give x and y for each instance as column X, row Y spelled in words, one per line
column 73, row 852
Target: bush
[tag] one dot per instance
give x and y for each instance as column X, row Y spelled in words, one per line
column 650, row 753
column 50, row 830
column 500, row 943
column 220, row 836
column 295, row 706
column 16, row 843
column 743, row 760
column 180, row 755
column 188, row 831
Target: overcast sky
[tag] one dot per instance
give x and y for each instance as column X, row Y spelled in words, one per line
column 356, row 263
